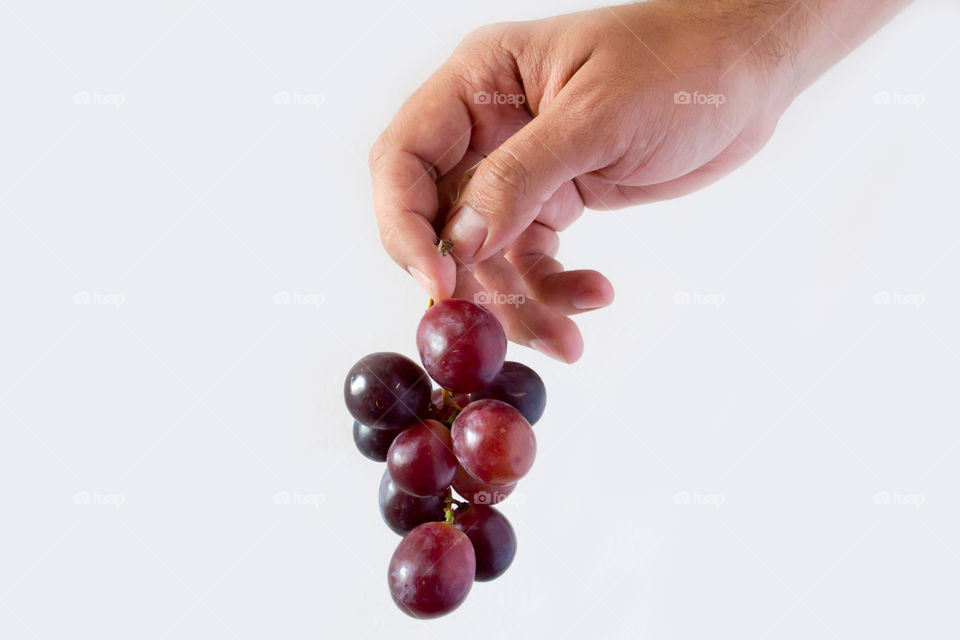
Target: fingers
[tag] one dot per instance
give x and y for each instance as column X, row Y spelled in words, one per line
column 566, row 292
column 511, row 186
column 428, row 136
column 527, row 321
column 571, row 292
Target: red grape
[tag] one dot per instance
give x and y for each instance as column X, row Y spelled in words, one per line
column 494, row 542
column 421, row 459
column 432, row 570
column 472, row 490
column 461, row 344
column 386, row 391
column 402, row 511
column 517, row 385
column 493, row 442
column 373, row 443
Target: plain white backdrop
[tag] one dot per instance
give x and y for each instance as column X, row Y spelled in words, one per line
column 761, row 440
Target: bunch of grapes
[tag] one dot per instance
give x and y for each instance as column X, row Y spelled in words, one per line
column 471, row 436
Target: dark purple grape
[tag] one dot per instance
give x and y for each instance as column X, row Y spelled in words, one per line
column 421, row 459
column 493, row 442
column 494, row 542
column 472, row 490
column 461, row 344
column 386, row 391
column 402, row 511
column 519, row 386
column 432, row 570
column 373, row 443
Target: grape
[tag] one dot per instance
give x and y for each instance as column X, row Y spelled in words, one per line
column 386, row 390
column 402, row 511
column 520, row 386
column 493, row 442
column 421, row 459
column 494, row 541
column 432, row 570
column 373, row 443
column 472, row 490
column 461, row 344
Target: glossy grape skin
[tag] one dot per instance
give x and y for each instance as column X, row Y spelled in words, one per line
column 373, row 443
column 519, row 386
column 386, row 391
column 402, row 511
column 431, row 571
column 461, row 345
column 493, row 442
column 494, row 542
column 472, row 490
column 421, row 460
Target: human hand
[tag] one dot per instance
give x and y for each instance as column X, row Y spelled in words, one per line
column 603, row 109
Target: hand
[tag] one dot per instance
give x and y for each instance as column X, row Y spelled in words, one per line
column 528, row 123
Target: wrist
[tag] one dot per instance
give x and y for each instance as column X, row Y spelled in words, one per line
column 788, row 44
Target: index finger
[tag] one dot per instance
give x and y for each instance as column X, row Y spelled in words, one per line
column 426, row 139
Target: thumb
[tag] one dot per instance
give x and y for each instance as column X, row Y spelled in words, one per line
column 511, row 184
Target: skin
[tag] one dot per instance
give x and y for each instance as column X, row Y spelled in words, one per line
column 590, row 111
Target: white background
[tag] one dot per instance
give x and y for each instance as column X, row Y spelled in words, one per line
column 777, row 458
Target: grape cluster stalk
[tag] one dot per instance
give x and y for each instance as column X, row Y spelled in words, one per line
column 451, row 452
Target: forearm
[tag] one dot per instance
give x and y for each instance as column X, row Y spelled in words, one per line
column 798, row 40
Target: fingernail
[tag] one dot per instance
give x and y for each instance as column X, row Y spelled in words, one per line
column 422, row 279
column 588, row 300
column 548, row 348
column 468, row 231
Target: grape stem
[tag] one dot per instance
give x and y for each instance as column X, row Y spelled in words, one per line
column 451, row 506
column 448, row 401
column 448, row 502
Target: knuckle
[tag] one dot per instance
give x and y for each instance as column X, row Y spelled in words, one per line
column 504, row 175
column 377, row 152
